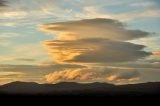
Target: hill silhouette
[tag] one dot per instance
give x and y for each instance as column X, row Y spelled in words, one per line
column 73, row 88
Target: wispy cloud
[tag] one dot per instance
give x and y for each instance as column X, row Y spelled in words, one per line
column 8, row 24
column 25, row 59
column 10, row 74
column 157, row 53
column 13, row 14
column 8, row 35
column 6, row 77
column 5, row 43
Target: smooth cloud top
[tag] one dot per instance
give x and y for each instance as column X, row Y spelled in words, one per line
column 89, row 28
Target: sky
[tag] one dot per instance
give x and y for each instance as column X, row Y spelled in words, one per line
column 51, row 41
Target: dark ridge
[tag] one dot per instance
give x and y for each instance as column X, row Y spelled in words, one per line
column 80, row 89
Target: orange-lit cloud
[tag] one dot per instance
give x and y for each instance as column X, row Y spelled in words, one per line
column 129, row 76
column 10, row 76
column 91, row 75
column 72, row 75
column 157, row 53
column 95, row 50
column 93, row 41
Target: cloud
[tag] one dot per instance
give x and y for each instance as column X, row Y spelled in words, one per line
column 89, row 28
column 5, row 43
column 95, row 50
column 94, row 41
column 9, row 76
column 130, row 76
column 25, row 59
column 92, row 75
column 147, row 9
column 157, row 53
column 2, row 3
column 13, row 14
column 8, row 35
column 8, row 24
column 146, row 64
column 100, row 41
column 32, row 73
column 37, row 68
column 149, row 12
column 72, row 75
column 66, row 72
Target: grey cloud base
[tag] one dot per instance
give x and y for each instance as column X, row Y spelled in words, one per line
column 2, row 3
column 98, row 50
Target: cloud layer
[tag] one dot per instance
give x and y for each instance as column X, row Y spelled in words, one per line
column 94, row 41
column 8, row 76
column 95, row 50
column 90, row 28
column 130, row 76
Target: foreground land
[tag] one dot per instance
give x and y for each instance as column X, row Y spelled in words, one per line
column 91, row 92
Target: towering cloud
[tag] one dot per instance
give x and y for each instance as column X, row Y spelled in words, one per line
column 89, row 41
column 94, row 41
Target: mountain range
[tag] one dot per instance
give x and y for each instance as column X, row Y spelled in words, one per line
column 83, row 89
